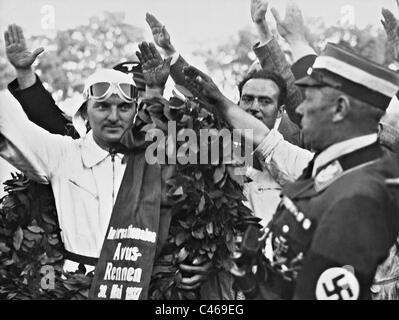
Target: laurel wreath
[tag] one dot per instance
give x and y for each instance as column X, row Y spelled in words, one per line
column 208, row 212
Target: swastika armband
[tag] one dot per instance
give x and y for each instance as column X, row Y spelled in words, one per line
column 337, row 284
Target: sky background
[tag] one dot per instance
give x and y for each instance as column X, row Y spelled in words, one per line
column 188, row 21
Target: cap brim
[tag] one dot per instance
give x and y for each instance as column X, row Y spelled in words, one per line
column 300, row 68
column 309, row 82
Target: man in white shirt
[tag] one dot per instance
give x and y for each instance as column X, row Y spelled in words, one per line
column 263, row 94
column 85, row 174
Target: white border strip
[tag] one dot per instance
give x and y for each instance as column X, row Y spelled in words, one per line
column 356, row 75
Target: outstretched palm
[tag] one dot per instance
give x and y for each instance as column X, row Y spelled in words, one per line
column 155, row 69
column 159, row 32
column 201, row 84
column 293, row 26
column 17, row 52
column 258, row 10
column 391, row 26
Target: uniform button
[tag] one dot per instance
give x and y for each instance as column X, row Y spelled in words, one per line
column 300, row 217
column 286, row 228
column 306, row 224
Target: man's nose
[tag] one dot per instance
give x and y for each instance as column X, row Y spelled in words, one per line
column 114, row 114
column 255, row 105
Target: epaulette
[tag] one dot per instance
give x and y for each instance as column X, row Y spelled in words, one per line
column 392, row 182
column 328, row 175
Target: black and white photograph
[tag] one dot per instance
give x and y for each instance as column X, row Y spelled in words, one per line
column 216, row 150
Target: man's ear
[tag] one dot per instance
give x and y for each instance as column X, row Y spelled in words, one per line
column 342, row 108
column 280, row 110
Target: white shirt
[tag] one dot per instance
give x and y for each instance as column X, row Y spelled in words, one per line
column 84, row 179
column 282, row 162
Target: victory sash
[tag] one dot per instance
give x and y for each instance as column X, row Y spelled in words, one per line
column 127, row 256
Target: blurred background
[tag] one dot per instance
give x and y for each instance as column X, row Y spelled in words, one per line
column 214, row 35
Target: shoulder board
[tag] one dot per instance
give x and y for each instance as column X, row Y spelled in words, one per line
column 328, row 175
column 392, row 182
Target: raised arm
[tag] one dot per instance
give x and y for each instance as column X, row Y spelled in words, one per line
column 162, row 39
column 31, row 149
column 27, row 88
column 292, row 28
column 391, row 26
column 258, row 15
column 201, row 85
column 270, row 55
column 155, row 69
column 20, row 57
column 285, row 160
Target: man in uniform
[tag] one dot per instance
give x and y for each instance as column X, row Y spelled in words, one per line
column 337, row 222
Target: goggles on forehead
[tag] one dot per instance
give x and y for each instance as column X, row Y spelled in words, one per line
column 101, row 91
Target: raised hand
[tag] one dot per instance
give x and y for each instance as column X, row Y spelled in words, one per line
column 258, row 10
column 160, row 34
column 201, row 84
column 258, row 14
column 391, row 26
column 17, row 52
column 155, row 69
column 292, row 28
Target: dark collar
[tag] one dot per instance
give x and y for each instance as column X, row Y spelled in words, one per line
column 358, row 157
column 304, row 186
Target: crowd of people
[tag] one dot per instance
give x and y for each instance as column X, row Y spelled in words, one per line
column 324, row 181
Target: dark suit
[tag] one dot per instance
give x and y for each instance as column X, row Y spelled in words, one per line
column 348, row 219
column 41, row 108
column 290, row 131
column 272, row 58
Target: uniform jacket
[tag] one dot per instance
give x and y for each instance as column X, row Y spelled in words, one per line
column 339, row 218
